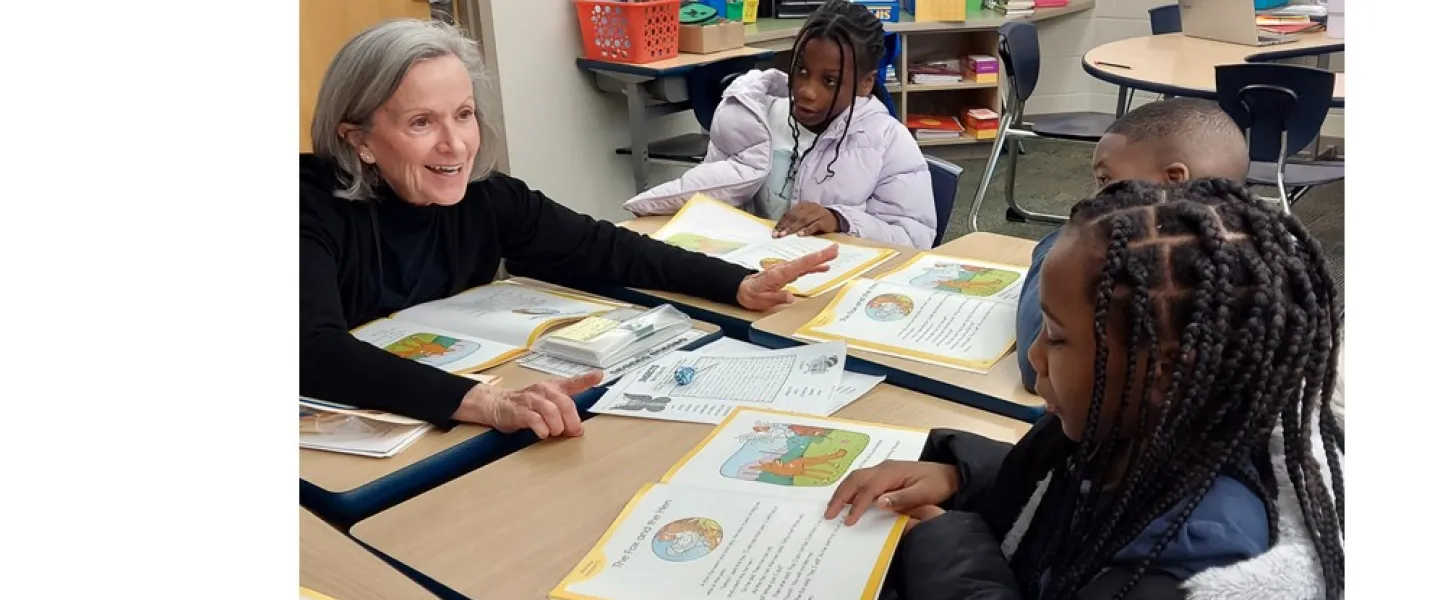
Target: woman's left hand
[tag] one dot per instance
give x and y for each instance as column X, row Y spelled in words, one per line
column 766, row 290
column 806, row 218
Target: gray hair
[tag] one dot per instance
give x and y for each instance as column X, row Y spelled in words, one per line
column 367, row 71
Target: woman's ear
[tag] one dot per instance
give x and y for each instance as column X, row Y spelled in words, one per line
column 355, row 136
column 1177, row 172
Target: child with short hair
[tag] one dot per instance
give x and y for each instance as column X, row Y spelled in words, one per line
column 1191, row 336
column 1170, row 141
column 813, row 149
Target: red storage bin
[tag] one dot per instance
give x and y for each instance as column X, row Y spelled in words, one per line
column 629, row 32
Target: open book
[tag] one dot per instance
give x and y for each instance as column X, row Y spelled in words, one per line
column 349, row 430
column 480, row 327
column 711, row 227
column 742, row 517
column 936, row 309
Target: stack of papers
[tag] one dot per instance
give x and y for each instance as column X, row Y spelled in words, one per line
column 706, row 386
column 348, row 430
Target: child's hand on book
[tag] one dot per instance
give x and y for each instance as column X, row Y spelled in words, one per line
column 900, row 486
column 807, row 218
column 545, row 408
column 766, row 290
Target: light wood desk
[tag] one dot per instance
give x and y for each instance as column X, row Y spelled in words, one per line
column 516, row 527
column 779, row 34
column 1180, row 65
column 1002, row 382
column 710, row 310
column 335, row 473
column 336, row 566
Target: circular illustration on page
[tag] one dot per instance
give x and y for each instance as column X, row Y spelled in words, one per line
column 432, row 349
column 685, row 540
column 889, row 307
column 968, row 280
column 794, row 455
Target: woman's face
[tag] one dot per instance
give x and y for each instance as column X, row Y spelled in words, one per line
column 425, row 137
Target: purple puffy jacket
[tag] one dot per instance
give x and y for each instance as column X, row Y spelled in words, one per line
column 881, row 184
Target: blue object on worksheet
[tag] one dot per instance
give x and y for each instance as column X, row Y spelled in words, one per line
column 684, row 375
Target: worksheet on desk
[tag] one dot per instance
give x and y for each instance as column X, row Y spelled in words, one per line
column 703, row 388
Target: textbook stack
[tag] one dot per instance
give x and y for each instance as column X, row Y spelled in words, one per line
column 1012, row 9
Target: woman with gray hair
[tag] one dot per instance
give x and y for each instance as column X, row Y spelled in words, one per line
column 399, row 205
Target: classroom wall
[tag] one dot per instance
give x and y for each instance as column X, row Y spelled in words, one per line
column 561, row 133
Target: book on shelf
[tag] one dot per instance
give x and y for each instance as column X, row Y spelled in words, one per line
column 935, row 127
column 759, row 481
column 947, row 71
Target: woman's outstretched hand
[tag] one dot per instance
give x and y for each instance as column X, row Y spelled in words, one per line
column 766, row 290
column 545, row 408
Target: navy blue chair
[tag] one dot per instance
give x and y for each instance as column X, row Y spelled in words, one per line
column 705, row 85
column 1281, row 109
column 1163, row 19
column 1020, row 56
column 945, row 182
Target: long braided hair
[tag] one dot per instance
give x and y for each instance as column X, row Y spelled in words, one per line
column 848, row 25
column 1232, row 306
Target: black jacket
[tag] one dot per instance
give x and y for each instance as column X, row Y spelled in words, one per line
column 957, row 556
column 345, row 281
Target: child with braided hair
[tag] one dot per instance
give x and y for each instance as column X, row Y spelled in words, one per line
column 1190, row 343
column 812, row 148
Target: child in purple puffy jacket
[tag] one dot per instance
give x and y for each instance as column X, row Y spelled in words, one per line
column 812, row 149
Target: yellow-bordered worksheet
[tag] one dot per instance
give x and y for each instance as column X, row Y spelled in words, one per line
column 712, row 227
column 936, row 309
column 747, row 540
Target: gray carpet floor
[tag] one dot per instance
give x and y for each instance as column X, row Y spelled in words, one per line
column 1053, row 176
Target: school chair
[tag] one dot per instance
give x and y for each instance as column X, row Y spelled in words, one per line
column 1020, row 56
column 1281, row 109
column 704, row 86
column 1163, row 19
column 945, row 183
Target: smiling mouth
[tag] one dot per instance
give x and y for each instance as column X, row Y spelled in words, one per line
column 444, row 169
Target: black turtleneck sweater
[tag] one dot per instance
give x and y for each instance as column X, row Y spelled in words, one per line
column 360, row 261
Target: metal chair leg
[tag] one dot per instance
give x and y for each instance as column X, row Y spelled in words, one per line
column 1280, row 185
column 1010, row 172
column 995, row 149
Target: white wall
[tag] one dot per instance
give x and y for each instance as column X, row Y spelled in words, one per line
column 561, row 133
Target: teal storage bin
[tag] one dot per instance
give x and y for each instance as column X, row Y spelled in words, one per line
column 1269, row 4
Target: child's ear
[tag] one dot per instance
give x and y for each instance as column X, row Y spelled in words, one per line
column 866, row 85
column 1177, row 172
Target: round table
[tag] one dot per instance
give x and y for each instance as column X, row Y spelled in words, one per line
column 1180, row 65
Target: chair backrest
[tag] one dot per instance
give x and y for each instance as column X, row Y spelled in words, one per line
column 1281, row 108
column 1165, row 19
column 945, row 181
column 706, row 84
column 1020, row 54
